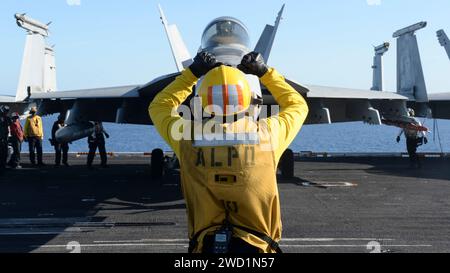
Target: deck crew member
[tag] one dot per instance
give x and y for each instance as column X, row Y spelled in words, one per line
column 230, row 187
column 16, row 141
column 60, row 148
column 5, row 121
column 97, row 140
column 34, row 134
column 414, row 139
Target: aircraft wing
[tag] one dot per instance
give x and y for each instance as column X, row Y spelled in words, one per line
column 439, row 96
column 13, row 105
column 130, row 91
column 316, row 91
column 129, row 104
column 440, row 105
column 7, row 99
column 335, row 104
column 123, row 104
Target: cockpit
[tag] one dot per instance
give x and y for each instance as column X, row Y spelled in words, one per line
column 225, row 31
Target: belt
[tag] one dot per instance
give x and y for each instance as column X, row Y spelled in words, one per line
column 272, row 244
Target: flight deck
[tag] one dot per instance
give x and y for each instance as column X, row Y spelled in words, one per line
column 335, row 203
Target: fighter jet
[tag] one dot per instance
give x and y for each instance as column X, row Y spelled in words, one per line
column 226, row 37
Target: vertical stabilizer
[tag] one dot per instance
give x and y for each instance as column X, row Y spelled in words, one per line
column 50, row 70
column 32, row 70
column 180, row 53
column 410, row 77
column 444, row 41
column 265, row 43
column 38, row 73
column 377, row 67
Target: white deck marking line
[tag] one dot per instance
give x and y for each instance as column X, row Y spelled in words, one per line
column 143, row 241
column 299, row 246
column 185, row 245
column 332, row 239
column 109, row 245
column 69, row 220
column 47, row 231
column 30, row 233
column 283, row 240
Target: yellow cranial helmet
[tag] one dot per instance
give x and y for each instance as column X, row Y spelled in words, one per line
column 225, row 91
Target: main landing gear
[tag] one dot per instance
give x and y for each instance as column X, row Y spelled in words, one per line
column 286, row 165
column 162, row 164
column 157, row 164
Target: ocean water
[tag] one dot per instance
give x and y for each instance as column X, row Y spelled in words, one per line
column 343, row 137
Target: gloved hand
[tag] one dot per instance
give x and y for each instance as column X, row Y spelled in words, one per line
column 203, row 63
column 106, row 134
column 425, row 140
column 398, row 139
column 253, row 63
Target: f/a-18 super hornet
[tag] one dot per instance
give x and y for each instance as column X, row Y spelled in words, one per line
column 227, row 38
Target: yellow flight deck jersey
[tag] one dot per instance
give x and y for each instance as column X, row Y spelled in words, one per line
column 239, row 180
column 33, row 127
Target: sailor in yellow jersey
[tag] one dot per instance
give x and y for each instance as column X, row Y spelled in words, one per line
column 230, row 187
column 34, row 134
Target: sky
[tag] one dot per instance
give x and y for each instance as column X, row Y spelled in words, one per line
column 102, row 43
